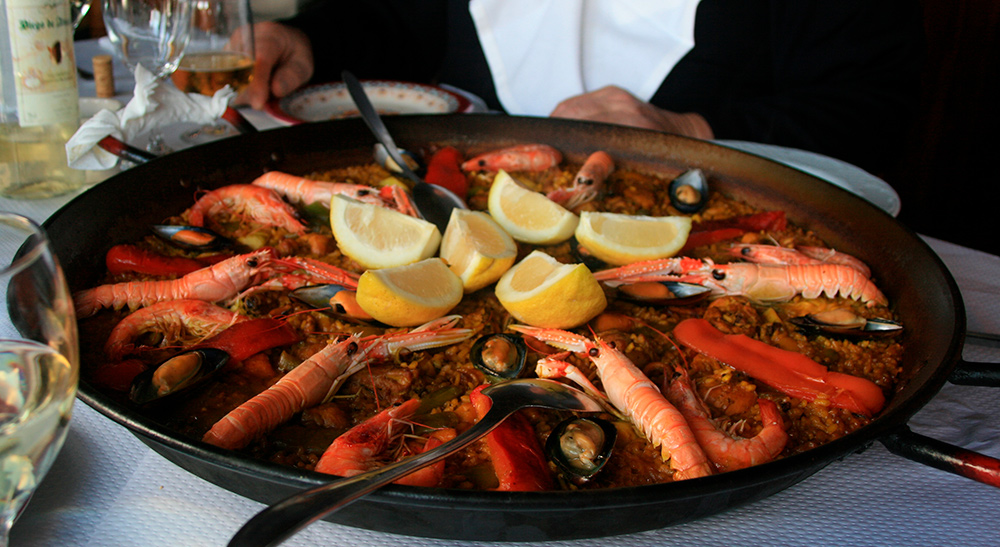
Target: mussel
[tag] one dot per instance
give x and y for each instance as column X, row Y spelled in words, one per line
column 581, row 446
column 383, row 159
column 335, row 299
column 663, row 293
column 178, row 373
column 500, row 356
column 689, row 191
column 845, row 323
column 584, row 256
column 191, row 237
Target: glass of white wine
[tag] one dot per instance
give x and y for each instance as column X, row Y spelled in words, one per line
column 220, row 52
column 39, row 362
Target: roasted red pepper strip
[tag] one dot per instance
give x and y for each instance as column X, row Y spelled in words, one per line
column 708, row 232
column 250, row 337
column 444, row 169
column 697, row 239
column 786, row 371
column 517, row 456
column 129, row 258
column 768, row 220
column 118, row 376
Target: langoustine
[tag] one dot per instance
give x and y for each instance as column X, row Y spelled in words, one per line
column 588, row 182
column 215, row 283
column 317, row 379
column 632, row 393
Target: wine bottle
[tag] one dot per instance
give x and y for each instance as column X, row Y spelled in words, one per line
column 39, row 100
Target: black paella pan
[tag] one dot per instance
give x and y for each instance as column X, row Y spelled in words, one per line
column 925, row 296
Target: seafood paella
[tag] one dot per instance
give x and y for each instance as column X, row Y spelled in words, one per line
column 261, row 320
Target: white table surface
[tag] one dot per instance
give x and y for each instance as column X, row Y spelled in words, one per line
column 107, row 488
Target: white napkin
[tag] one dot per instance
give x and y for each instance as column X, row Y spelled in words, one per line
column 543, row 51
column 155, row 103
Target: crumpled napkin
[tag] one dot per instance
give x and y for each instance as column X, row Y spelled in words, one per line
column 155, row 103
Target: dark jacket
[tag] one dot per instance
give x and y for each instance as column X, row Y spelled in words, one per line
column 839, row 77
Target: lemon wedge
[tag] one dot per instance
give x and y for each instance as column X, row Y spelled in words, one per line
column 410, row 295
column 622, row 239
column 529, row 216
column 476, row 248
column 543, row 292
column 376, row 237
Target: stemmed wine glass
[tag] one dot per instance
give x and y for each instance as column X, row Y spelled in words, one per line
column 151, row 33
column 39, row 362
column 78, row 10
column 220, row 52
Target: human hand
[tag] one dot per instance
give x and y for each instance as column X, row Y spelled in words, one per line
column 284, row 62
column 613, row 104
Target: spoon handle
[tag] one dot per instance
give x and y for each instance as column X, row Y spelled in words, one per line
column 277, row 522
column 374, row 123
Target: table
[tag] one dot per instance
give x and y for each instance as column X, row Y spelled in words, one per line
column 107, row 488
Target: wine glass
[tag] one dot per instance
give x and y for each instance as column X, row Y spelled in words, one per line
column 39, row 362
column 151, row 33
column 78, row 10
column 220, row 52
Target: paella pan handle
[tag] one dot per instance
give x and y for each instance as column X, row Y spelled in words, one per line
column 948, row 457
column 135, row 155
column 944, row 456
column 976, row 374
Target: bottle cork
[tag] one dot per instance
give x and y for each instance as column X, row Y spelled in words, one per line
column 104, row 78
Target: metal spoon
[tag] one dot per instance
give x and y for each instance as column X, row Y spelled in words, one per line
column 278, row 522
column 433, row 202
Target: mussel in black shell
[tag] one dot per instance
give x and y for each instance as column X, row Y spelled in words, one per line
column 500, row 355
column 663, row 293
column 689, row 191
column 584, row 256
column 335, row 299
column 845, row 323
column 581, row 446
column 178, row 373
column 382, row 158
column 191, row 237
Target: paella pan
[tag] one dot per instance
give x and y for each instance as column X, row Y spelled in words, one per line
column 765, row 185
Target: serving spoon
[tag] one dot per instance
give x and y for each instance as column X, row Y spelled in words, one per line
column 433, row 202
column 279, row 521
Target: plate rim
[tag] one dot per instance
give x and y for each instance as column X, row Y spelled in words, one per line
column 275, row 108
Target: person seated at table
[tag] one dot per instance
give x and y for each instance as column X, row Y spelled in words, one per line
column 836, row 77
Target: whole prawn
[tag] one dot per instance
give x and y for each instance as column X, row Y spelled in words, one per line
column 305, row 191
column 317, row 379
column 173, row 318
column 632, row 393
column 525, row 157
column 216, row 283
column 357, row 450
column 258, row 203
column 725, row 451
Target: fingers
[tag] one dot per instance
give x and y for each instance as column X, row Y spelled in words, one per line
column 613, row 104
column 284, row 63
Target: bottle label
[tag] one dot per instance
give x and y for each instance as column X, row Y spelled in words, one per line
column 41, row 40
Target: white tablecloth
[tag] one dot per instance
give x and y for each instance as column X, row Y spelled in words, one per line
column 107, row 488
